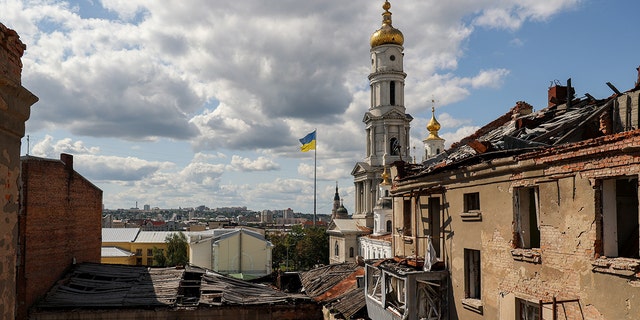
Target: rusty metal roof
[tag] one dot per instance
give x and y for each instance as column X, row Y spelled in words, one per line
column 336, row 286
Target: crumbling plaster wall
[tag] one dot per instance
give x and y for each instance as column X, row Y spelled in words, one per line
column 569, row 241
column 570, row 225
column 15, row 102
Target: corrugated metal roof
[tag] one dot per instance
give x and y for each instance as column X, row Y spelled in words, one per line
column 154, row 236
column 119, row 234
column 115, row 252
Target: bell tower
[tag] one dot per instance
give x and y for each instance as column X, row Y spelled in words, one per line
column 386, row 123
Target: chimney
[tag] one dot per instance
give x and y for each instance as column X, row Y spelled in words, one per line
column 638, row 80
column 559, row 94
column 67, row 159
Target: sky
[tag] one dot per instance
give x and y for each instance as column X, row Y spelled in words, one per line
column 193, row 102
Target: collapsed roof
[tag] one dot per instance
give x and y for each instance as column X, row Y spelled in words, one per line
column 522, row 130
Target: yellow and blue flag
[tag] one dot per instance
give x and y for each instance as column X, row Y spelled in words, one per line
column 308, row 142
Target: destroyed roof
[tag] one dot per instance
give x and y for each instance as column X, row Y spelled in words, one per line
column 98, row 286
column 102, row 285
column 218, row 289
column 336, row 286
column 519, row 131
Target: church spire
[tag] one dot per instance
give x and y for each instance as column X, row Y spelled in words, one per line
column 433, row 144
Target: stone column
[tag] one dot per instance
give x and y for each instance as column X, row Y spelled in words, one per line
column 15, row 103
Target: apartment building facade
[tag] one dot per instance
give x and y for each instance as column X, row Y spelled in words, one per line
column 535, row 216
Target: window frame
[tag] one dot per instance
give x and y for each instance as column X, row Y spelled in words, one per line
column 527, row 225
column 471, row 202
column 612, row 228
column 472, row 274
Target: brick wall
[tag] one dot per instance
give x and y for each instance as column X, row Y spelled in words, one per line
column 62, row 223
column 15, row 102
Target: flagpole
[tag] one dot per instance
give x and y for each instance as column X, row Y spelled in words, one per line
column 315, row 165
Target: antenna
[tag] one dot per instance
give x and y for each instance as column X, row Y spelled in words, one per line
column 27, row 144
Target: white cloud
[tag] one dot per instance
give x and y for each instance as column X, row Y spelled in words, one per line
column 243, row 75
column 48, row 148
column 245, row 164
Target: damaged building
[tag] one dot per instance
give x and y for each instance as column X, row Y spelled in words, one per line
column 104, row 291
column 534, row 216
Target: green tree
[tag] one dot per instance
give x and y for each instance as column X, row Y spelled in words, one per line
column 159, row 259
column 313, row 248
column 176, row 249
column 300, row 249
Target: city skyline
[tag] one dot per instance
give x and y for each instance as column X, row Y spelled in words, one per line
column 188, row 104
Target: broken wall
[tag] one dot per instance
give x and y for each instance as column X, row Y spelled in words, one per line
column 567, row 262
column 15, row 102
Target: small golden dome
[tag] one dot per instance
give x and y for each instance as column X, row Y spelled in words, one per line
column 385, row 178
column 433, row 126
column 387, row 34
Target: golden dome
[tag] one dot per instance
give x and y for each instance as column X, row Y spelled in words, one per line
column 387, row 34
column 433, row 126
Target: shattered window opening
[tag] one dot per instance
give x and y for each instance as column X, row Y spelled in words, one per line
column 527, row 207
column 620, row 218
column 472, row 284
column 395, row 293
column 374, row 288
column 526, row 310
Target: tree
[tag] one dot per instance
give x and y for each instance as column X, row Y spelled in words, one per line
column 159, row 259
column 300, row 249
column 176, row 249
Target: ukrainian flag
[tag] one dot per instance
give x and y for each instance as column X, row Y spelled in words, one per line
column 308, row 142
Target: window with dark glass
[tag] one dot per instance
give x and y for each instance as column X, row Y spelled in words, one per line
column 392, row 93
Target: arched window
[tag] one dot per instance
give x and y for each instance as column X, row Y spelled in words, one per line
column 392, row 93
column 350, row 252
column 394, row 146
column 336, row 250
column 388, row 225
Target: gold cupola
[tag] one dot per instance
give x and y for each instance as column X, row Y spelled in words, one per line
column 433, row 126
column 387, row 34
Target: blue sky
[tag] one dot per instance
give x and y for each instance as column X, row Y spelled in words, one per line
column 187, row 103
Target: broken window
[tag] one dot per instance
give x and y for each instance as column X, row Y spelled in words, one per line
column 374, row 286
column 620, row 217
column 139, row 252
column 527, row 216
column 395, row 293
column 471, row 201
column 406, row 217
column 526, row 310
column 472, row 274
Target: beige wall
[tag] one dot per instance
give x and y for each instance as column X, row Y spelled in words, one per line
column 345, row 242
column 242, row 253
column 570, row 233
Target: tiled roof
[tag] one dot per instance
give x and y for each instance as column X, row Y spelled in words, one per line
column 119, row 234
column 336, row 286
